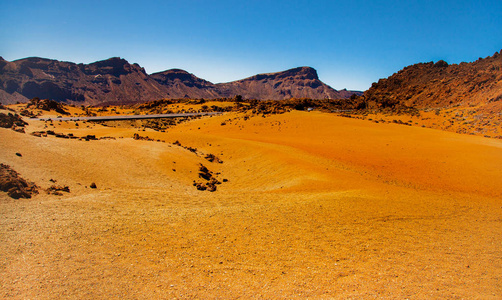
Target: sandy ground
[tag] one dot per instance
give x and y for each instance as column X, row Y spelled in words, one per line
column 315, row 206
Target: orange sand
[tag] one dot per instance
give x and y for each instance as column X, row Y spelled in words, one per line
column 316, row 206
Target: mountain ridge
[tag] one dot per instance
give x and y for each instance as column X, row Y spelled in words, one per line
column 116, row 81
column 300, row 82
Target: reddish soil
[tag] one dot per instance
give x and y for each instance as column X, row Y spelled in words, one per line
column 314, row 206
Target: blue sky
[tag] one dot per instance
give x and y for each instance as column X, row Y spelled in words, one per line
column 350, row 43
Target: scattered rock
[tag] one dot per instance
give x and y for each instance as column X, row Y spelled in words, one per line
column 211, row 180
column 19, row 154
column 47, row 105
column 211, row 188
column 204, row 172
column 62, row 135
column 93, row 186
column 200, row 186
column 27, row 113
column 194, row 150
column 13, row 121
column 56, row 190
column 213, row 158
column 89, row 137
column 15, row 186
column 191, row 149
column 39, row 133
column 143, row 138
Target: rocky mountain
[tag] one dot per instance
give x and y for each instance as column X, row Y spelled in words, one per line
column 301, row 82
column 111, row 80
column 181, row 84
column 440, row 85
column 116, row 81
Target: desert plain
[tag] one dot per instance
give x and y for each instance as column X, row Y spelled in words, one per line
column 308, row 205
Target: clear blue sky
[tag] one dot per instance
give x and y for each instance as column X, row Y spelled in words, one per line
column 350, row 43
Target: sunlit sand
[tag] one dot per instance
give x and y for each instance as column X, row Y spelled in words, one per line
column 310, row 205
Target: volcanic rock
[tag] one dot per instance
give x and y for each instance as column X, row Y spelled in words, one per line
column 15, row 186
column 46, row 105
column 11, row 121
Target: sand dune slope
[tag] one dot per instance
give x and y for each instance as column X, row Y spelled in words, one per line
column 312, row 206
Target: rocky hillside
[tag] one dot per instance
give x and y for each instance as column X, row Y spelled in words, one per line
column 111, row 80
column 462, row 98
column 300, row 82
column 440, row 85
column 181, row 84
column 116, row 81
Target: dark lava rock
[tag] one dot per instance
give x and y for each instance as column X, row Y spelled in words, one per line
column 15, row 186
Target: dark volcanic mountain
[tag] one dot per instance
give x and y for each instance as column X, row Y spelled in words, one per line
column 440, row 85
column 116, row 81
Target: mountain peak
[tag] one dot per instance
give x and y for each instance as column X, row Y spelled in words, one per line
column 170, row 77
column 110, row 62
column 171, row 71
column 299, row 73
column 115, row 66
column 303, row 72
